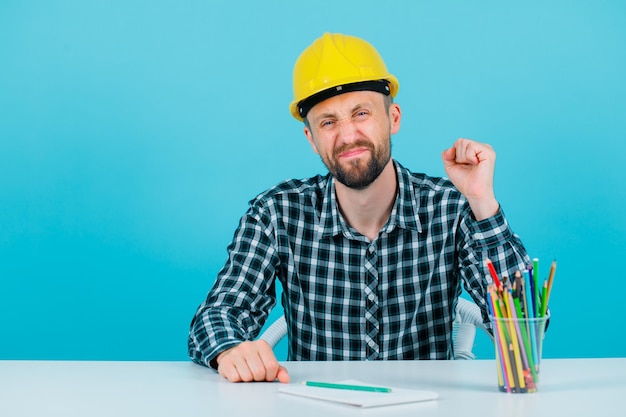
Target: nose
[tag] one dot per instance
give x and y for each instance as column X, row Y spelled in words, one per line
column 346, row 131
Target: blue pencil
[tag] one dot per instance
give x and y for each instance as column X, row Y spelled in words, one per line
column 530, row 315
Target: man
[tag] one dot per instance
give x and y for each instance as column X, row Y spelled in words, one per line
column 371, row 257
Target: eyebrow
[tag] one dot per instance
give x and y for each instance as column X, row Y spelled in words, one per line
column 360, row 105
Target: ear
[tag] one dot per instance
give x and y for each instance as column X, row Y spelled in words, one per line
column 309, row 136
column 395, row 116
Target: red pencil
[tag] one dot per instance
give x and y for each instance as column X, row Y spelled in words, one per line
column 494, row 274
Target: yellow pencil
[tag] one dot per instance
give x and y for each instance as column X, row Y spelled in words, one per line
column 517, row 357
column 550, row 280
column 502, row 333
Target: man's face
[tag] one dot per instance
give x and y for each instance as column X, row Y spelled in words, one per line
column 352, row 134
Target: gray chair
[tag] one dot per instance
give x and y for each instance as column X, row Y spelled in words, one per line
column 468, row 319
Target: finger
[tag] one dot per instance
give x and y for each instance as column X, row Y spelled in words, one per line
column 269, row 361
column 456, row 154
column 449, row 155
column 260, row 369
column 226, row 367
column 464, row 153
column 233, row 365
column 283, row 375
column 229, row 371
column 473, row 153
column 255, row 361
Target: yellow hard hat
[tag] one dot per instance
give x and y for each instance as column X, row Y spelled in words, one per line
column 335, row 64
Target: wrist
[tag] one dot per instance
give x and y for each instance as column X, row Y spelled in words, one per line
column 215, row 362
column 485, row 208
column 219, row 356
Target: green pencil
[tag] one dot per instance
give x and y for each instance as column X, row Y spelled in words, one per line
column 544, row 298
column 537, row 294
column 346, row 386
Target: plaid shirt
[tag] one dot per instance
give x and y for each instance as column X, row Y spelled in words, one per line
column 346, row 297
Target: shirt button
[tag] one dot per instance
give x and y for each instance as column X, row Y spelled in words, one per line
column 370, row 297
column 371, row 249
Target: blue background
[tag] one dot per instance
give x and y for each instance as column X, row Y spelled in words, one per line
column 133, row 134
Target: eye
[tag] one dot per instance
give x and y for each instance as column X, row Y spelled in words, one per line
column 325, row 124
column 361, row 114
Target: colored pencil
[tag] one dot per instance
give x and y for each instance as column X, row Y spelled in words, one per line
column 536, row 282
column 346, row 386
column 516, row 357
column 550, row 281
column 518, row 331
column 494, row 274
column 518, row 344
column 501, row 351
column 544, row 299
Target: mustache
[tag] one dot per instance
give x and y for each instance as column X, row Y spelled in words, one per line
column 358, row 144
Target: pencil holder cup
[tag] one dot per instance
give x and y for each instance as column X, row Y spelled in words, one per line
column 518, row 343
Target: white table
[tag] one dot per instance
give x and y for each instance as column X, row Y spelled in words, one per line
column 568, row 387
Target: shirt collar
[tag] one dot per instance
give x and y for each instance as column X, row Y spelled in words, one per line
column 404, row 214
column 330, row 222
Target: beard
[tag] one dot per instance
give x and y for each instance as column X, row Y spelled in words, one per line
column 359, row 173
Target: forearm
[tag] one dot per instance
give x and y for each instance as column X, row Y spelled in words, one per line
column 484, row 208
column 492, row 239
column 230, row 315
column 209, row 335
column 243, row 295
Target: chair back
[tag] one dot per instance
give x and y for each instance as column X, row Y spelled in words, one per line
column 468, row 319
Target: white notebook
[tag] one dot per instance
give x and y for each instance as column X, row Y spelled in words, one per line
column 360, row 398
